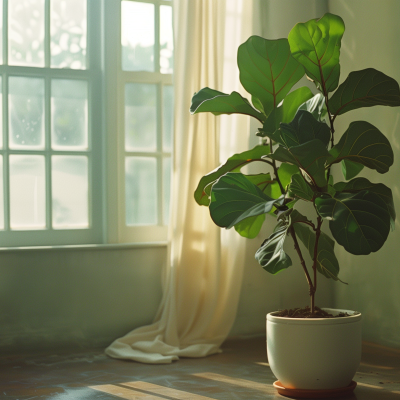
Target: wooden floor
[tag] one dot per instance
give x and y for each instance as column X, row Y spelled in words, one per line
column 240, row 372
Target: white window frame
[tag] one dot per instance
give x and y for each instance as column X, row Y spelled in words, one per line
column 106, row 97
column 116, row 79
column 93, row 75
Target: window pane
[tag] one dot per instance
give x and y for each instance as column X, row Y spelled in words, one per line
column 26, row 113
column 167, row 188
column 1, row 31
column 68, row 34
column 166, row 40
column 1, row 194
column 1, row 112
column 141, row 191
column 168, row 117
column 69, row 119
column 137, row 36
column 140, row 117
column 26, row 32
column 70, row 191
column 27, row 192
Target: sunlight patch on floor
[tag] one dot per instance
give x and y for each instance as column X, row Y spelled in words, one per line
column 375, row 366
column 263, row 363
column 262, row 387
column 125, row 393
column 165, row 391
column 369, row 386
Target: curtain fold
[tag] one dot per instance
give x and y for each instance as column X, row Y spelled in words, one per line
column 202, row 280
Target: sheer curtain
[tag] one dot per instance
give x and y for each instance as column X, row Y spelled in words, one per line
column 203, row 278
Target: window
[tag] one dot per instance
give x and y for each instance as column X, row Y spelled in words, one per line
column 85, row 151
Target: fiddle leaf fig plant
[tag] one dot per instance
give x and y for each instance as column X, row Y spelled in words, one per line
column 299, row 147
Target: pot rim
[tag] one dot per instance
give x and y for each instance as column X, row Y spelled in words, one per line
column 354, row 317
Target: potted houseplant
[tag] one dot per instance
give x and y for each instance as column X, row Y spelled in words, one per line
column 300, row 148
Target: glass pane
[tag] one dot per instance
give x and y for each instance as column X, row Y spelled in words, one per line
column 68, row 34
column 1, row 194
column 69, row 114
column 26, row 32
column 167, row 188
column 140, row 117
column 168, row 117
column 1, row 112
column 141, row 191
column 1, row 31
column 137, row 36
column 26, row 113
column 70, row 191
column 166, row 40
column 27, row 192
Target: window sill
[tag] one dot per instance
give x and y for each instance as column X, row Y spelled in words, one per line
column 109, row 246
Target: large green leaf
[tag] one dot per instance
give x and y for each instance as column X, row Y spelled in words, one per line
column 286, row 111
column 327, row 263
column 351, row 169
column 250, row 227
column 300, row 188
column 285, row 173
column 310, row 157
column 365, row 144
column 365, row 88
column 210, row 100
column 316, row 106
column 359, row 184
column 316, row 45
column 304, row 128
column 234, row 198
column 360, row 222
column 267, row 70
column 271, row 255
column 233, row 163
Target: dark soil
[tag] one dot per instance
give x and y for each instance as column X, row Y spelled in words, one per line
column 306, row 313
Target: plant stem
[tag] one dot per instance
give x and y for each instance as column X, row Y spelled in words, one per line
column 277, row 177
column 297, row 247
column 273, row 164
column 315, row 260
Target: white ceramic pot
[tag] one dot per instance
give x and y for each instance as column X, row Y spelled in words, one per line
column 318, row 353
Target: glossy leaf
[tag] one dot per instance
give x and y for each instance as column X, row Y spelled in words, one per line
column 267, row 70
column 309, row 157
column 365, row 88
column 316, row 45
column 210, row 100
column 271, row 255
column 304, row 128
column 316, row 106
column 233, row 163
column 300, row 188
column 285, row 173
column 327, row 263
column 351, row 169
column 360, row 184
column 287, row 111
column 234, row 198
column 365, row 144
column 250, row 227
column 360, row 222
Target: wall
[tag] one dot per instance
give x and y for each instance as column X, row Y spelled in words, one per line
column 372, row 40
column 76, row 297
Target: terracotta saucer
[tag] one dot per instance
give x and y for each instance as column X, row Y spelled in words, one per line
column 314, row 394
